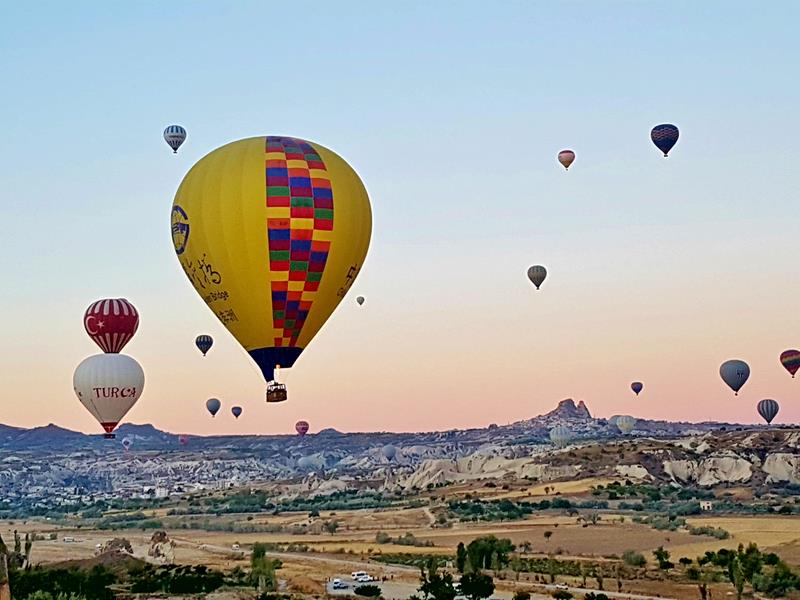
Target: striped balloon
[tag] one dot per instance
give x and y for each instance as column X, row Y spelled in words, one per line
column 204, row 343
column 175, row 135
column 111, row 323
column 301, row 427
column 566, row 158
column 790, row 359
column 768, row 409
column 665, row 136
column 560, row 436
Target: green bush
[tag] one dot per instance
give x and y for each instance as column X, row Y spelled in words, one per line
column 368, row 590
column 634, row 559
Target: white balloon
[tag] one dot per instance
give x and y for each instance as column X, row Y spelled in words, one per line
column 108, row 385
column 175, row 135
column 625, row 423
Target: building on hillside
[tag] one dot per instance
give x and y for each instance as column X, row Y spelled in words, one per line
column 706, row 505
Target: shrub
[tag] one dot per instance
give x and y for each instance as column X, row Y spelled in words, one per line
column 522, row 595
column 562, row 595
column 634, row 559
column 368, row 590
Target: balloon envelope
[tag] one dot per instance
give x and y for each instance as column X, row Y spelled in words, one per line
column 213, row 405
column 174, row 135
column 272, row 231
column 637, row 386
column 301, row 427
column 236, row 411
column 537, row 275
column 566, row 158
column 108, row 385
column 768, row 409
column 665, row 136
column 183, row 439
column 790, row 359
column 625, row 423
column 111, row 323
column 126, row 443
column 204, row 343
column 560, row 436
column 360, row 300
column 389, row 451
column 735, row 374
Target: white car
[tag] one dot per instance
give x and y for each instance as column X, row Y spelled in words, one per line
column 364, row 578
column 357, row 574
column 562, row 586
column 338, row 584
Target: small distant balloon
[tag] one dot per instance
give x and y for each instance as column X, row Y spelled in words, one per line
column 213, row 405
column 389, row 452
column 183, row 439
column 560, row 436
column 537, row 275
column 175, row 135
column 768, row 409
column 735, row 374
column 236, row 411
column 360, row 300
column 637, row 386
column 204, row 343
column 665, row 136
column 126, row 443
column 301, row 427
column 566, row 158
column 790, row 359
column 625, row 423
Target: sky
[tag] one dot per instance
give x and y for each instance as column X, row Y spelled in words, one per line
column 453, row 114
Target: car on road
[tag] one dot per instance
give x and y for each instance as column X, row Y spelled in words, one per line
column 561, row 586
column 364, row 578
column 338, row 584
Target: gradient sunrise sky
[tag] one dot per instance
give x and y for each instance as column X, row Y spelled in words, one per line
column 452, row 113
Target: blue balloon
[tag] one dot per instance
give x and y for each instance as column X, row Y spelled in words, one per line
column 637, row 387
column 665, row 136
column 213, row 405
column 204, row 343
column 236, row 410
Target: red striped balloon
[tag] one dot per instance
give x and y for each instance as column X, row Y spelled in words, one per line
column 301, row 427
column 790, row 359
column 111, row 323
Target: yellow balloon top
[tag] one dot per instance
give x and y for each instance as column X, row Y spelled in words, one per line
column 272, row 231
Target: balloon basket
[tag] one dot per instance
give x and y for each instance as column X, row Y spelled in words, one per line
column 109, row 436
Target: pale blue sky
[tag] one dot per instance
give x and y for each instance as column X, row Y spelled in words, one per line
column 453, row 113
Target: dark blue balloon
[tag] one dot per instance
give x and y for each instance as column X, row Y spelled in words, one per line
column 236, row 410
column 665, row 136
column 204, row 343
column 637, row 387
column 768, row 409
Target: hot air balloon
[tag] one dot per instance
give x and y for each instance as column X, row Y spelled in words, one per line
column 790, row 359
column 664, row 136
column 768, row 409
column 637, row 386
column 236, row 411
column 537, row 274
column 560, row 436
column 389, row 452
column 111, row 323
column 625, row 423
column 566, row 158
column 183, row 439
column 360, row 300
column 108, row 385
column 734, row 373
column 272, row 232
column 175, row 135
column 305, row 462
column 213, row 405
column 301, row 427
column 204, row 343
column 126, row 443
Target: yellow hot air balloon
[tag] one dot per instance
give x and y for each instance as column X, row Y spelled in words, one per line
column 272, row 231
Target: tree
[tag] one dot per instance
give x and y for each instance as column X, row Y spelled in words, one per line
column 476, row 586
column 262, row 569
column 662, row 556
column 461, row 557
column 368, row 590
column 435, row 585
column 522, row 595
column 331, row 526
column 548, row 534
column 562, row 595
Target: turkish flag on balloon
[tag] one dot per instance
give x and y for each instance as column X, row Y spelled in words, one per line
column 111, row 323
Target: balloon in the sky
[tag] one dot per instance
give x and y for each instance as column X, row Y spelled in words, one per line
column 537, row 274
column 734, row 373
column 204, row 343
column 560, row 436
column 213, row 405
column 127, row 443
column 790, row 359
column 183, row 439
column 108, row 385
column 175, row 135
column 637, row 386
column 389, row 452
column 625, row 423
column 111, row 323
column 566, row 158
column 664, row 136
column 236, row 411
column 272, row 231
column 768, row 409
column 301, row 427
column 360, row 300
